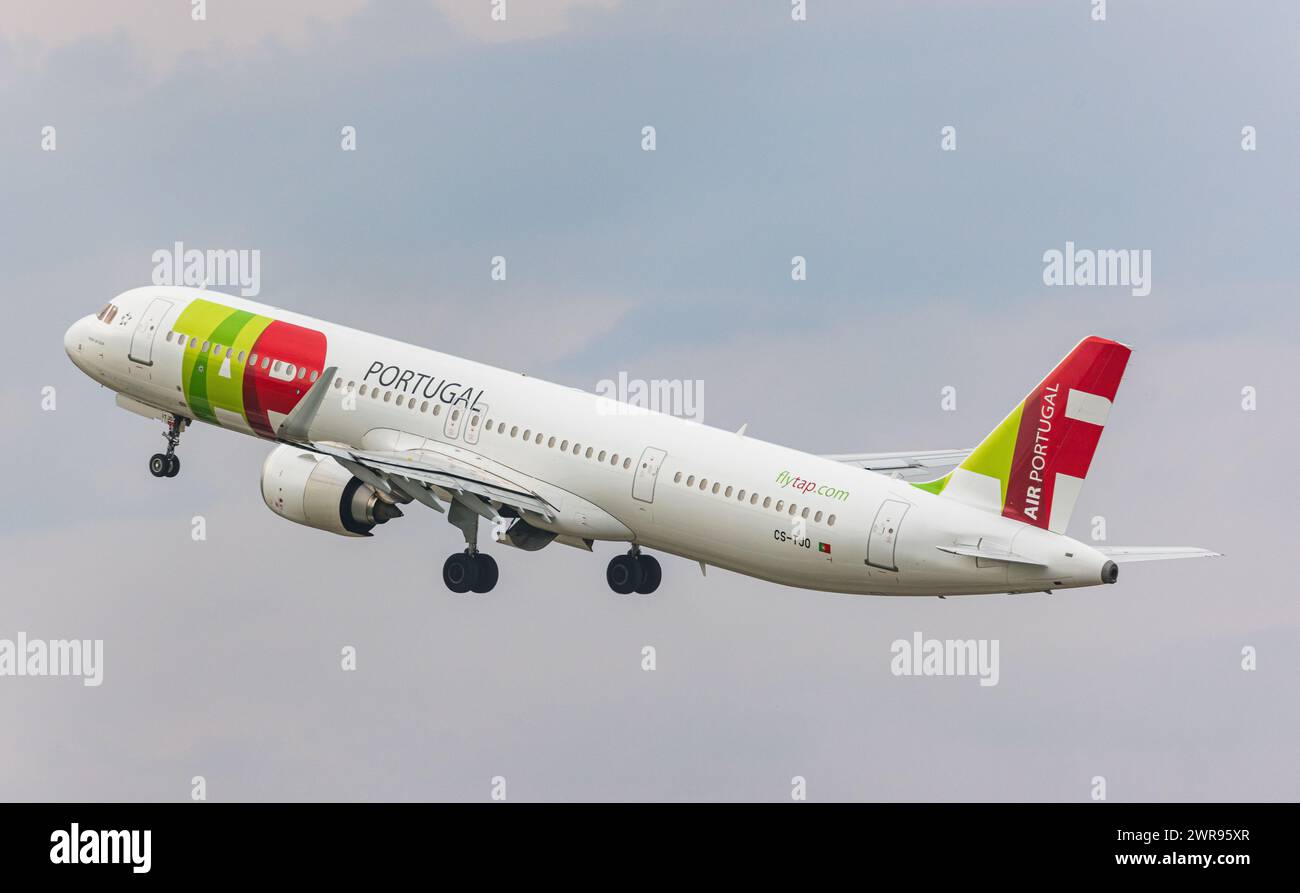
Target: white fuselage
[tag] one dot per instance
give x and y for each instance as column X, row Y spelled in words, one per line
column 883, row 535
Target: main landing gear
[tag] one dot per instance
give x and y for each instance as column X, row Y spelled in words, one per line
column 168, row 464
column 471, row 570
column 634, row 572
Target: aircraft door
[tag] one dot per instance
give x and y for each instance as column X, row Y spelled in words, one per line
column 647, row 472
column 884, row 534
column 146, row 330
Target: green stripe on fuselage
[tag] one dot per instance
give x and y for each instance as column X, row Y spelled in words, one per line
column 206, row 389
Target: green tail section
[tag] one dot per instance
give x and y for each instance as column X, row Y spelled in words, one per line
column 992, row 458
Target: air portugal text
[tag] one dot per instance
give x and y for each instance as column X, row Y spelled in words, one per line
column 408, row 381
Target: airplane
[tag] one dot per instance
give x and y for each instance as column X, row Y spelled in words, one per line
column 366, row 426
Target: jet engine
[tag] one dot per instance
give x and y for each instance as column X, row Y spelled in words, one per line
column 318, row 492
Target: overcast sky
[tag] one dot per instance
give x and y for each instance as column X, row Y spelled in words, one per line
column 775, row 138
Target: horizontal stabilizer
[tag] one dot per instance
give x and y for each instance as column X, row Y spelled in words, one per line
column 989, row 555
column 907, row 465
column 1125, row 554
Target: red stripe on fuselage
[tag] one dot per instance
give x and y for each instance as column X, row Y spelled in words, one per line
column 263, row 393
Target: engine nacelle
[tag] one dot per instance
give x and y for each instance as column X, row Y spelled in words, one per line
column 318, row 492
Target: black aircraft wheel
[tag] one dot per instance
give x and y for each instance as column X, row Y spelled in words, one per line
column 623, row 574
column 651, row 574
column 173, row 465
column 486, row 573
column 158, row 465
column 460, row 572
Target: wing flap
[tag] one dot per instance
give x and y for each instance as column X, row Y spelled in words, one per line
column 424, row 467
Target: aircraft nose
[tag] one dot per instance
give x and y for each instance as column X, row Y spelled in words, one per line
column 72, row 339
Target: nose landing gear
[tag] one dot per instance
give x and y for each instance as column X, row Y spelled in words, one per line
column 168, row 464
column 634, row 572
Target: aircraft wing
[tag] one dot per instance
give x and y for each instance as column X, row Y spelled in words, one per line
column 419, row 473
column 425, row 475
column 1125, row 554
column 906, row 466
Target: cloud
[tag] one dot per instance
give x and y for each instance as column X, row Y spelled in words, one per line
column 161, row 34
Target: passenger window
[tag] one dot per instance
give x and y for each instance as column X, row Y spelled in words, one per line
column 266, row 361
column 437, row 408
column 424, row 407
column 805, row 511
column 600, row 457
column 514, row 429
column 831, row 521
column 727, row 493
column 677, row 478
column 538, row 440
column 753, row 499
column 564, row 446
column 704, row 483
column 627, row 463
column 362, row 390
column 613, row 460
column 780, row 503
column 314, row 374
column 388, row 396
column 551, row 443
column 767, row 501
column 716, row 487
column 741, row 495
column 690, row 481
column 206, row 345
column 587, row 455
column 400, row 399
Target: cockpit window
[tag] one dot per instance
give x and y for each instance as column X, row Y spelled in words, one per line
column 100, row 315
column 112, row 312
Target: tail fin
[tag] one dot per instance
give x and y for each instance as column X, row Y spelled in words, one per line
column 1031, row 467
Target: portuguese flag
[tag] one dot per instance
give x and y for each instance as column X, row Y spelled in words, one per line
column 824, row 548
